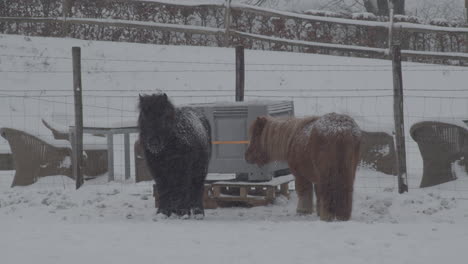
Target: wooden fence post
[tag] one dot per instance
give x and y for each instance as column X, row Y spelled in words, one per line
column 240, row 73
column 466, row 17
column 399, row 119
column 78, row 134
column 466, row 11
column 390, row 32
column 227, row 23
column 66, row 12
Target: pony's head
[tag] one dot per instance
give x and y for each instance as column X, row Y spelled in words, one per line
column 255, row 152
column 157, row 107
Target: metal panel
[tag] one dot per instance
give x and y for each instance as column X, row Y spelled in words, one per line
column 230, row 122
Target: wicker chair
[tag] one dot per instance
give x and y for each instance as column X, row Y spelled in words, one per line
column 35, row 157
column 378, row 152
column 441, row 144
column 95, row 159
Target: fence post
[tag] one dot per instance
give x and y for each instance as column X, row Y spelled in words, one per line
column 399, row 119
column 466, row 17
column 240, row 73
column 466, row 11
column 227, row 23
column 66, row 10
column 78, row 135
column 390, row 32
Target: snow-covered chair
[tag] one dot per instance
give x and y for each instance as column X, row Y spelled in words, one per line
column 377, row 145
column 43, row 155
column 94, row 147
column 36, row 157
column 441, row 145
column 378, row 152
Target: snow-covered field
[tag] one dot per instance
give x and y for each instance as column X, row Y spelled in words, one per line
column 113, row 223
column 50, row 222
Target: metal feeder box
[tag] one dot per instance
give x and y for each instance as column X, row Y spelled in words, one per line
column 229, row 128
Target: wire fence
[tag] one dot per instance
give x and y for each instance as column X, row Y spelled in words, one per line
column 40, row 87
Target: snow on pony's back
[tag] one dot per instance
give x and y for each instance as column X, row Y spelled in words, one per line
column 192, row 117
column 333, row 124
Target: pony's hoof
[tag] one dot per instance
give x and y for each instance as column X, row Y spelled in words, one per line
column 198, row 211
column 303, row 211
column 198, row 216
column 164, row 212
column 160, row 216
column 326, row 218
column 185, row 217
column 182, row 213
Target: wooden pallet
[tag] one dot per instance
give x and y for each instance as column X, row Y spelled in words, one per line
column 228, row 193
column 237, row 193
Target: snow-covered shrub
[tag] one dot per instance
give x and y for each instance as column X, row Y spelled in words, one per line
column 364, row 16
column 323, row 13
column 409, row 19
column 442, row 22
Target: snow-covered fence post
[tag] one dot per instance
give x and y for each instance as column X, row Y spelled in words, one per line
column 227, row 22
column 240, row 73
column 78, row 132
column 399, row 119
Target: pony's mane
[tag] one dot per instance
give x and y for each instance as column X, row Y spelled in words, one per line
column 279, row 134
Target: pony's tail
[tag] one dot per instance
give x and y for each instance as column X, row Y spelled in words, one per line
column 336, row 186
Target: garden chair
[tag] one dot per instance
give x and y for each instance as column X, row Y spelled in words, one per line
column 95, row 149
column 441, row 144
column 35, row 157
column 378, row 152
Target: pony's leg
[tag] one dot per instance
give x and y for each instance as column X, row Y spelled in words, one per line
column 325, row 206
column 199, row 171
column 181, row 199
column 305, row 194
column 180, row 186
column 198, row 188
column 164, row 197
column 317, row 197
column 345, row 205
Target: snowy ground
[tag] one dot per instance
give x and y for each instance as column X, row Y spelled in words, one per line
column 113, row 223
column 50, row 222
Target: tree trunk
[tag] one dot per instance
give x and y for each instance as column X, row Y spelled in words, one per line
column 398, row 7
column 382, row 7
column 370, row 6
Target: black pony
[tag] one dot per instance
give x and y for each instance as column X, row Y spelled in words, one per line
column 177, row 144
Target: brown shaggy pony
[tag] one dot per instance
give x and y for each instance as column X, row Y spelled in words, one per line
column 319, row 150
